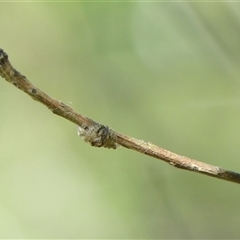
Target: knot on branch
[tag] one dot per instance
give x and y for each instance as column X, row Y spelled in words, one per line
column 98, row 135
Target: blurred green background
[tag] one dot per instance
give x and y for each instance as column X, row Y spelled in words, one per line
column 167, row 73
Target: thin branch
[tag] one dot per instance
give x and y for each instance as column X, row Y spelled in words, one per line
column 99, row 135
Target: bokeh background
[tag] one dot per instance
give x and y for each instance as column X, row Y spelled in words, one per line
column 167, row 73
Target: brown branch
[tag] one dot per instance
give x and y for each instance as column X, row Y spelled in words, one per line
column 101, row 136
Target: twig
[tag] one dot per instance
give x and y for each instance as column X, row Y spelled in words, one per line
column 101, row 136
